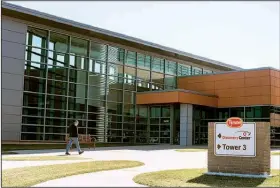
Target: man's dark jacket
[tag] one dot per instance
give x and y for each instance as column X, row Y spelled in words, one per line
column 73, row 131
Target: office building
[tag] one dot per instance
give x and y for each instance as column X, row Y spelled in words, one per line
column 121, row 89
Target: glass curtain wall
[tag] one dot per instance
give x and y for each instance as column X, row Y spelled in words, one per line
column 202, row 115
column 67, row 78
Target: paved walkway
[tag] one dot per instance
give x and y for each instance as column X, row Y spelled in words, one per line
column 155, row 158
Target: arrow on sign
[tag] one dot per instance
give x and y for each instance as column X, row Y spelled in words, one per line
column 218, row 146
column 219, row 135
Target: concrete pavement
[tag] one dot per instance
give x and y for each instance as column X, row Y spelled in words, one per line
column 155, row 158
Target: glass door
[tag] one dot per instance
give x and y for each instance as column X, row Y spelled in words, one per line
column 160, row 124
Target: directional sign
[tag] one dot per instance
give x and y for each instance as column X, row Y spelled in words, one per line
column 235, row 138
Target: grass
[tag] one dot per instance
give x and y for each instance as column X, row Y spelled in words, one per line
column 196, row 178
column 42, row 158
column 275, row 153
column 191, row 150
column 8, row 153
column 30, row 176
column 13, row 147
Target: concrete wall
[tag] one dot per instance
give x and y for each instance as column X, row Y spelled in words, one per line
column 13, row 56
column 186, row 124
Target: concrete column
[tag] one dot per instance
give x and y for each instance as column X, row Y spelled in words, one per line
column 186, row 115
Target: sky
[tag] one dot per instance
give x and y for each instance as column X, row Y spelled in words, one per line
column 244, row 34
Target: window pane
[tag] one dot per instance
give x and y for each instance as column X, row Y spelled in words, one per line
column 157, row 78
column 77, row 90
column 96, row 106
column 77, row 62
column 37, row 37
column 130, row 58
column 116, row 55
column 58, row 42
column 56, row 87
column 114, row 108
column 32, row 129
column 36, row 55
column 58, row 59
column 170, row 82
column 207, row 71
column 237, row 112
column 96, row 93
column 58, row 73
column 34, row 84
column 79, row 47
column 55, row 121
column 129, row 84
column 33, row 111
column 33, row 100
column 184, row 70
column 142, row 86
column 170, row 67
column 56, row 102
column 55, row 137
column 129, row 72
column 129, row 97
column 76, row 104
column 129, row 110
column 115, row 95
column 196, row 70
column 55, row 129
column 78, row 76
column 31, row 136
column 157, row 64
column 33, row 120
column 34, row 69
column 56, row 113
column 98, row 67
column 115, row 70
column 98, row 51
column 143, row 61
column 143, row 75
column 96, row 80
column 77, row 115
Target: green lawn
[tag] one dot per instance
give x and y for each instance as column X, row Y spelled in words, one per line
column 8, row 153
column 12, row 147
column 191, row 150
column 42, row 158
column 275, row 153
column 29, row 176
column 197, row 178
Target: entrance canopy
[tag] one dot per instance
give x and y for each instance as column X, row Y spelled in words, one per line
column 176, row 96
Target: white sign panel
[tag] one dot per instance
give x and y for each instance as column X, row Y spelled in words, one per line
column 235, row 138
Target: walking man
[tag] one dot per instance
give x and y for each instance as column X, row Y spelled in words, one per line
column 73, row 137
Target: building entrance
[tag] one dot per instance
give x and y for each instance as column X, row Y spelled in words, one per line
column 160, row 124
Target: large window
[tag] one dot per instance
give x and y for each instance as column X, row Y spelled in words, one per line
column 202, row 115
column 67, row 77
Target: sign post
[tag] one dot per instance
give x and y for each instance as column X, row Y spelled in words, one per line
column 237, row 148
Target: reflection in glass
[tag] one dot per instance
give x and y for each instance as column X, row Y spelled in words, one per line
column 34, row 84
column 79, row 47
column 34, row 100
column 98, row 51
column 58, row 42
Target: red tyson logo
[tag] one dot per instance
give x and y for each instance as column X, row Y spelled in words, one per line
column 234, row 122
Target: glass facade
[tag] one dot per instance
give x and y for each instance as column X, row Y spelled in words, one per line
column 202, row 115
column 67, row 78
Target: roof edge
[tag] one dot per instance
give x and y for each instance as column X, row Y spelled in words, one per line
column 228, row 72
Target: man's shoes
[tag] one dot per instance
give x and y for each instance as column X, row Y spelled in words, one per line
column 67, row 153
column 81, row 152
